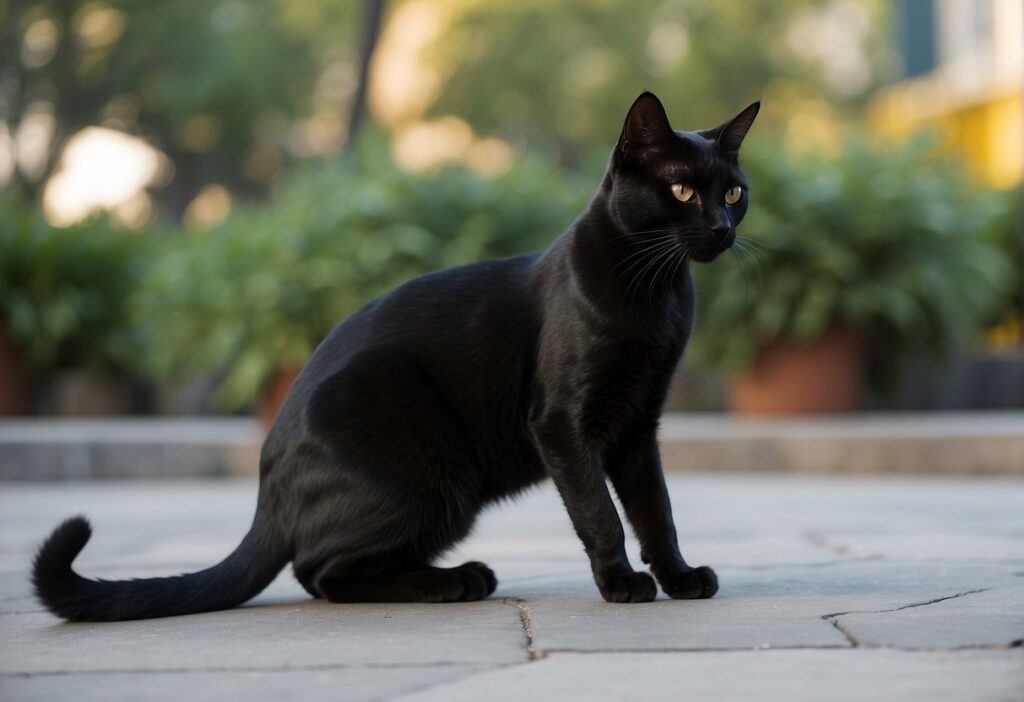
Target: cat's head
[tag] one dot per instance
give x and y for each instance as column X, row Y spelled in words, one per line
column 686, row 185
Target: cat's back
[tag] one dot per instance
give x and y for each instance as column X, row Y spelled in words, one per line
column 461, row 319
column 463, row 302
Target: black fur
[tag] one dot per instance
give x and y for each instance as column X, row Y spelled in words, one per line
column 467, row 385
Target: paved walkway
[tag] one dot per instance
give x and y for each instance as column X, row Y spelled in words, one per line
column 832, row 589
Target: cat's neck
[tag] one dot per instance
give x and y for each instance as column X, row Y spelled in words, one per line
column 617, row 271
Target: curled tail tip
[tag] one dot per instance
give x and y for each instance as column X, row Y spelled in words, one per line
column 51, row 570
column 65, row 542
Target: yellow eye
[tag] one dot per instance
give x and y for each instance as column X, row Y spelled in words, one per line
column 733, row 195
column 683, row 193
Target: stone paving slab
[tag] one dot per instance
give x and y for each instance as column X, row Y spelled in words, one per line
column 894, row 589
column 986, row 617
column 310, row 684
column 302, row 634
column 784, row 607
column 742, row 676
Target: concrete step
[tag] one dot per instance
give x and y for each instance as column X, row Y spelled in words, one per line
column 981, row 443
column 128, row 447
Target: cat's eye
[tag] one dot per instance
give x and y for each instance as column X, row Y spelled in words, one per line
column 733, row 195
column 683, row 193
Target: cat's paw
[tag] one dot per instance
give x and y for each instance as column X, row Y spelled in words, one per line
column 473, row 574
column 696, row 584
column 629, row 587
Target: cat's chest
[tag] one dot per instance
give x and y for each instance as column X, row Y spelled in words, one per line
column 624, row 382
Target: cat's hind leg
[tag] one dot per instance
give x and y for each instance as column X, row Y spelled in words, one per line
column 392, row 484
column 465, row 583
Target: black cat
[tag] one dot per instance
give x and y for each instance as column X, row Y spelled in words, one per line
column 467, row 385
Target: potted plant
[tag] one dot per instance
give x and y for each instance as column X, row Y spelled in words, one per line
column 63, row 293
column 16, row 388
column 854, row 263
column 250, row 299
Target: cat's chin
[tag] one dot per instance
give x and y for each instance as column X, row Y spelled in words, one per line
column 708, row 255
column 712, row 248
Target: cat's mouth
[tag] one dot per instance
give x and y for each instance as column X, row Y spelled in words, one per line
column 712, row 248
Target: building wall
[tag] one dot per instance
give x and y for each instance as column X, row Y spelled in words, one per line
column 964, row 63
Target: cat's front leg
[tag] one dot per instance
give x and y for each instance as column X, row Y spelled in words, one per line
column 576, row 472
column 635, row 471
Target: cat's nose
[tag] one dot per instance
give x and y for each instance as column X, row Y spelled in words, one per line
column 720, row 230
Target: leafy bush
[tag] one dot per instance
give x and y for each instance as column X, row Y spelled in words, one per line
column 64, row 291
column 892, row 242
column 258, row 292
column 1007, row 234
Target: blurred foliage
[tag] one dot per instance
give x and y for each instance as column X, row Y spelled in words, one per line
column 257, row 293
column 587, row 61
column 207, row 83
column 892, row 241
column 233, row 90
column 1007, row 234
column 64, row 292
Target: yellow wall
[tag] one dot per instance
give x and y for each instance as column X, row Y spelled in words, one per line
column 989, row 132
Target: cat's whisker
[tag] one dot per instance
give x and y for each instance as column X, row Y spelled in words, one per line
column 655, row 259
column 662, row 268
column 747, row 261
column 683, row 258
column 735, row 253
column 640, row 233
column 750, row 245
column 641, row 262
column 648, row 261
column 656, row 274
column 626, row 234
column 652, row 246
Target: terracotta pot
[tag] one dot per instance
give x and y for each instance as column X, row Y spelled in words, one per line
column 789, row 378
column 83, row 393
column 273, row 397
column 16, row 391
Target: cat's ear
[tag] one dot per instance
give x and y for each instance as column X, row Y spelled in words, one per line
column 646, row 124
column 729, row 135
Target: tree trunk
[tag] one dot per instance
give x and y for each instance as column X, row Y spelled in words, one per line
column 373, row 11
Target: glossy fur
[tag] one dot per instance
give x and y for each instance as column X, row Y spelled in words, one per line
column 467, row 385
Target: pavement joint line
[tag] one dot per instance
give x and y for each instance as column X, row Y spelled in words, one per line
column 699, row 649
column 252, row 669
column 526, row 619
column 835, row 617
column 907, row 606
column 941, row 599
column 847, row 634
column 1017, row 643
column 482, row 667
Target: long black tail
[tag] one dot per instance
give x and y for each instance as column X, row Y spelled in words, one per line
column 240, row 576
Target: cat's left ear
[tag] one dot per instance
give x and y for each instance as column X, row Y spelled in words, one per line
column 729, row 135
column 646, row 124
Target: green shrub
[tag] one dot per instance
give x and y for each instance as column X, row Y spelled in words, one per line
column 1007, row 234
column 258, row 292
column 893, row 242
column 64, row 291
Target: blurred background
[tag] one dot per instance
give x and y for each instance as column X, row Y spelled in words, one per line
column 194, row 193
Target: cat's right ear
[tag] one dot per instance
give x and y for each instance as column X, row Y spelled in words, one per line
column 646, row 125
